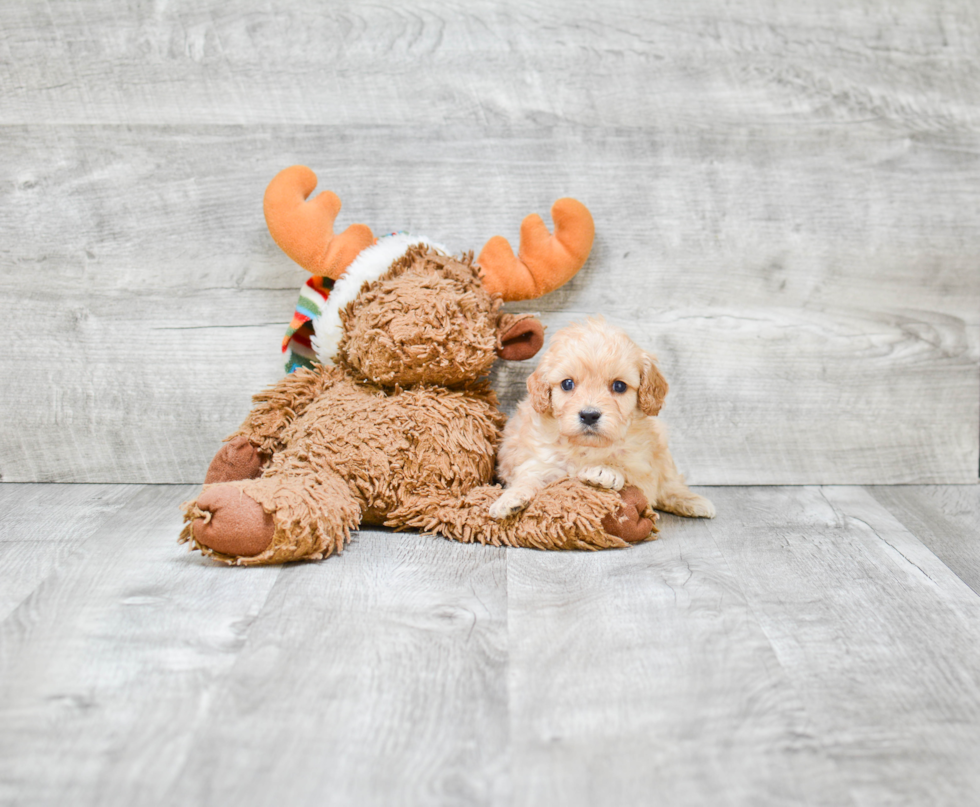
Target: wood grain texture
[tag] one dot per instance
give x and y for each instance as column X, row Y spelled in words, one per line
column 816, row 325
column 946, row 519
column 786, row 199
column 643, row 676
column 41, row 527
column 877, row 635
column 379, row 677
column 471, row 64
column 106, row 667
column 803, row 648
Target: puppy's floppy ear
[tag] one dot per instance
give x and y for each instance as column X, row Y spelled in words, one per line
column 539, row 392
column 653, row 387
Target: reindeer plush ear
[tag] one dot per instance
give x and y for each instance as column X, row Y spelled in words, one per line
column 519, row 336
column 539, row 392
column 653, row 387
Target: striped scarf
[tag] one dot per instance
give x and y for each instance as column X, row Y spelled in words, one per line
column 296, row 344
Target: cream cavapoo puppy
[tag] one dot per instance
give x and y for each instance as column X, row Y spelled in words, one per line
column 591, row 413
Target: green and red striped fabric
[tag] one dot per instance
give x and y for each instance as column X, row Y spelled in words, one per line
column 296, row 343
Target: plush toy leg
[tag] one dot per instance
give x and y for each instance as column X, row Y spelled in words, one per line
column 236, row 459
column 233, row 523
column 633, row 521
column 274, row 519
column 565, row 515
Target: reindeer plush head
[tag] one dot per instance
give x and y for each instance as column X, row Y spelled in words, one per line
column 400, row 310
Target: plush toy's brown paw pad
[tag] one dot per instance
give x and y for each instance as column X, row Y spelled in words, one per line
column 629, row 521
column 233, row 524
column 237, row 459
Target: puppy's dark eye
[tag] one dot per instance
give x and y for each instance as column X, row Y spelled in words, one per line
column 568, row 385
column 619, row 387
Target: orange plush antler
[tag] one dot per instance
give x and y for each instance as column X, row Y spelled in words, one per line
column 304, row 229
column 544, row 261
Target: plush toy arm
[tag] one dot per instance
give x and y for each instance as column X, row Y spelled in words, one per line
column 276, row 407
column 565, row 515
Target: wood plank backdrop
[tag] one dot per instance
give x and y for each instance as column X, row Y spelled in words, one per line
column 787, row 201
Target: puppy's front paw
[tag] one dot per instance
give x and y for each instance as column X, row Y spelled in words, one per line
column 602, row 477
column 511, row 501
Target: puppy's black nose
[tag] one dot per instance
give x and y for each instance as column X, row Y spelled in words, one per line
column 589, row 416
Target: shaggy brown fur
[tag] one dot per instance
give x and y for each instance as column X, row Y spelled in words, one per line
column 401, row 432
column 426, row 321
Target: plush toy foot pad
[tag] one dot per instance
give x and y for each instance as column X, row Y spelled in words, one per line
column 237, row 459
column 628, row 522
column 237, row 524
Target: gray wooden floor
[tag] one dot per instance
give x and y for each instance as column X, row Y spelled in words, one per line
column 812, row 645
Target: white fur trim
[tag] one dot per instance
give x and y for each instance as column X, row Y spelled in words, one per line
column 370, row 264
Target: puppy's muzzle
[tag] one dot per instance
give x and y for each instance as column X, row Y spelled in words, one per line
column 589, row 417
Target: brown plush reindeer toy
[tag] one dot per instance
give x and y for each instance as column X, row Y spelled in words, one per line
column 394, row 424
